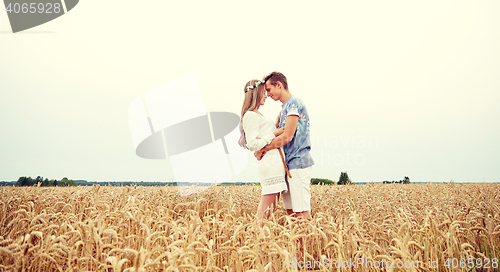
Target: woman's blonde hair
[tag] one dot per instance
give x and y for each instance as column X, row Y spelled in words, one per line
column 254, row 90
column 253, row 95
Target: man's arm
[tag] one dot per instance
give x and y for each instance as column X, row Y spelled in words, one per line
column 283, row 139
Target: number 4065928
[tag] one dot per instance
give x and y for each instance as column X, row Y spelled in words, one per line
column 471, row 263
column 34, row 8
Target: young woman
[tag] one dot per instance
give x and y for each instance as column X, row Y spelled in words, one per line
column 256, row 132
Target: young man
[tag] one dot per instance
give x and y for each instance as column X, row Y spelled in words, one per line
column 296, row 144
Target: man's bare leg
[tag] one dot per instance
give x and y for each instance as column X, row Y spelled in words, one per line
column 306, row 214
column 300, row 246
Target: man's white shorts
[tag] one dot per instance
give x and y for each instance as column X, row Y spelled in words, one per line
column 298, row 196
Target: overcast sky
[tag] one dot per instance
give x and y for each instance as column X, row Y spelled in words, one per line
column 393, row 88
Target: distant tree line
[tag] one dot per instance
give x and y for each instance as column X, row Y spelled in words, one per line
column 28, row 181
column 320, row 181
column 406, row 180
column 124, row 183
column 40, row 181
column 343, row 180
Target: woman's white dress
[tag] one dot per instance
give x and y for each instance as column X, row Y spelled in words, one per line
column 258, row 133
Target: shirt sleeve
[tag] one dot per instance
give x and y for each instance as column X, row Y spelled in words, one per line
column 251, row 127
column 293, row 109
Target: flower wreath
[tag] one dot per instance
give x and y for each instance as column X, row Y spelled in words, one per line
column 255, row 85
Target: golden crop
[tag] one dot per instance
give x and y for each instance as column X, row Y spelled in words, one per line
column 156, row 229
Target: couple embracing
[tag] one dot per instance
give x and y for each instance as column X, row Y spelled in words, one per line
column 290, row 176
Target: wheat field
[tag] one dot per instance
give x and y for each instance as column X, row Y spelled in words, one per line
column 415, row 227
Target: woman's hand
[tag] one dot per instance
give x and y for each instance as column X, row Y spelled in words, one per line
column 259, row 154
column 279, row 131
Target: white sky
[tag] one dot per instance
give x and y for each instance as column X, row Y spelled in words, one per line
column 393, row 88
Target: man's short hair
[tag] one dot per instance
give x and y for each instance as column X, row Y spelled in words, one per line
column 274, row 77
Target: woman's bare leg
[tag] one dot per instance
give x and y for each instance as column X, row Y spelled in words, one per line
column 265, row 202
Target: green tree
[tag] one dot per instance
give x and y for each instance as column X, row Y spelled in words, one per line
column 406, row 180
column 63, row 182
column 71, row 182
column 21, row 181
column 30, row 182
column 344, row 179
column 66, row 182
column 317, row 181
column 38, row 179
column 25, row 181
